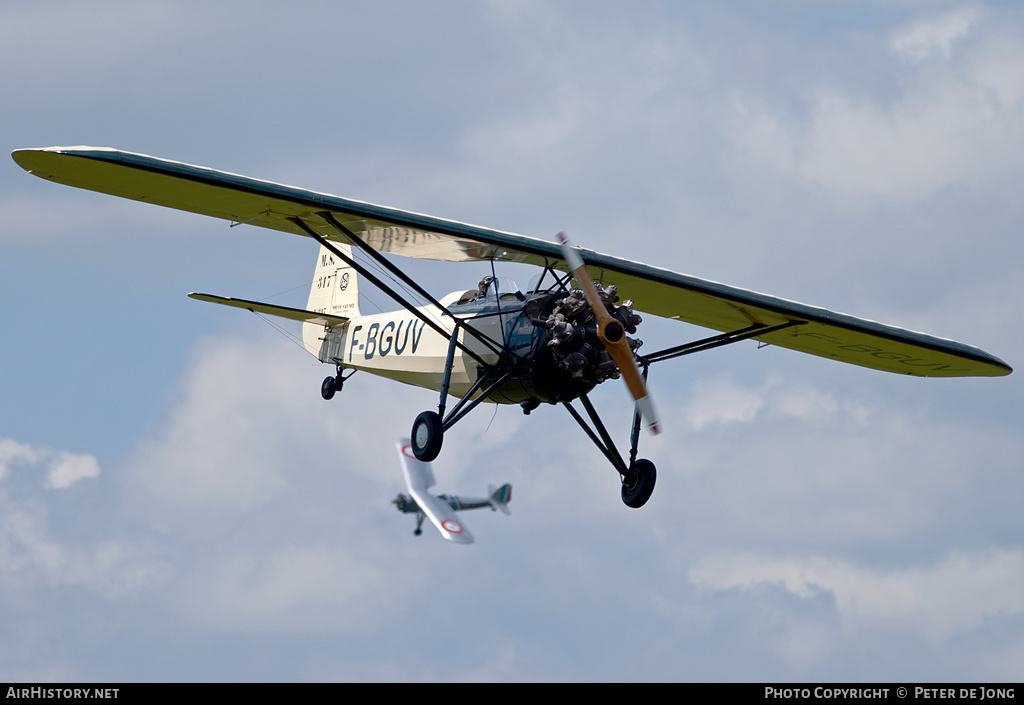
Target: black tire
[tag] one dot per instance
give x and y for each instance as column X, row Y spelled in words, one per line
column 427, row 435
column 329, row 387
column 638, row 484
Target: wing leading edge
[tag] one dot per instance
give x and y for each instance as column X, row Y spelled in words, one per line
column 657, row 291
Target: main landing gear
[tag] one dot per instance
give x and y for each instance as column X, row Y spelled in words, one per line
column 429, row 427
column 638, row 478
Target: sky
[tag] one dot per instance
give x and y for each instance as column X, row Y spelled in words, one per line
column 177, row 503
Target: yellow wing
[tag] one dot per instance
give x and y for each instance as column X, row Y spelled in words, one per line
column 661, row 292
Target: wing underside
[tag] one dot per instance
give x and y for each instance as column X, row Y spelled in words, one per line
column 656, row 291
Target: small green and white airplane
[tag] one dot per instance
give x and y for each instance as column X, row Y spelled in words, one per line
column 419, row 478
column 551, row 343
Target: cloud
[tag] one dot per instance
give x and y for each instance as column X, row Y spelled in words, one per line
column 13, row 453
column 934, row 34
column 299, row 589
column 720, row 400
column 61, row 468
column 35, row 556
column 804, row 402
column 68, row 468
column 928, row 131
column 220, row 448
column 959, row 594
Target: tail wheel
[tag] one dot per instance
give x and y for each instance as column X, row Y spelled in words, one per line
column 427, row 435
column 638, row 483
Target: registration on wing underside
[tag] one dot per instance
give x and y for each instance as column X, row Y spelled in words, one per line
column 422, row 244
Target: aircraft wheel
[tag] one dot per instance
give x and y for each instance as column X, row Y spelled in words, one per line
column 329, row 387
column 427, row 434
column 638, row 484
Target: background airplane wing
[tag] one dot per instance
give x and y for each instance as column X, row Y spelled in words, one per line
column 418, row 478
column 654, row 290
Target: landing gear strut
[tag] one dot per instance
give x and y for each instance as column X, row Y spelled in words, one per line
column 428, row 428
column 638, row 478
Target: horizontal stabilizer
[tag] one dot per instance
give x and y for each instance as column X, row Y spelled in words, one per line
column 418, row 477
column 295, row 314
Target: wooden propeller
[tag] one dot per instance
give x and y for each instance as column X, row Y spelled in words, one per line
column 613, row 336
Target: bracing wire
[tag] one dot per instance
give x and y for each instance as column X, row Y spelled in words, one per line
column 286, row 333
column 286, row 291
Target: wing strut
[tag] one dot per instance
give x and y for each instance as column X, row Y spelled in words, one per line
column 716, row 341
column 431, row 323
column 406, row 279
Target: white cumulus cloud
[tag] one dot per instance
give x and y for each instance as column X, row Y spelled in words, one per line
column 934, row 34
column 960, row 125
column 957, row 594
column 720, row 401
column 61, row 468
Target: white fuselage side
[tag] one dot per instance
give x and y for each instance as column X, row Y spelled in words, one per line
column 401, row 346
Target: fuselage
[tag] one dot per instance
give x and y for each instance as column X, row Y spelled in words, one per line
column 408, row 505
column 401, row 346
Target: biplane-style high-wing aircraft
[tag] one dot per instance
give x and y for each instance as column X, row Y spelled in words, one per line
column 419, row 478
column 550, row 344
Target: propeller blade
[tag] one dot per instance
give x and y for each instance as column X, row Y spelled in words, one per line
column 612, row 335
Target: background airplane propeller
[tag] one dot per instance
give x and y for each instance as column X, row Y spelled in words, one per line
column 612, row 335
